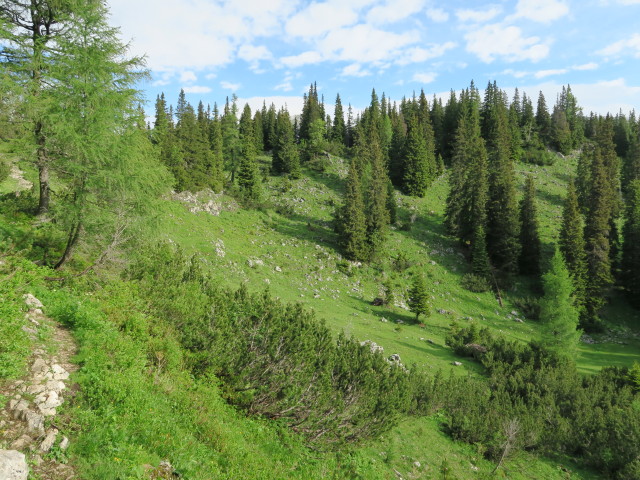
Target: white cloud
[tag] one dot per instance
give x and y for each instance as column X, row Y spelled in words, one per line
column 354, row 70
column 548, row 73
column 188, row 77
column 293, row 103
column 438, row 15
column 394, row 10
column 210, row 76
column 419, row 54
column 364, row 43
column 586, row 66
column 515, row 73
column 305, row 58
column 496, row 40
column 162, row 79
column 424, row 77
column 478, row 16
column 285, row 86
column 253, row 55
column 196, row 89
column 543, row 11
column 320, row 18
column 229, row 86
column 622, row 46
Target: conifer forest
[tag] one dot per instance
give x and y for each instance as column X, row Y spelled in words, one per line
column 430, row 287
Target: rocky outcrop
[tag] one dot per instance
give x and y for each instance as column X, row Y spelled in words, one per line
column 13, row 465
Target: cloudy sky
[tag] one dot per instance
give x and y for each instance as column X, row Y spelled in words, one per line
column 274, row 49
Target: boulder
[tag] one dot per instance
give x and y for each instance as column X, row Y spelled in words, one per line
column 13, row 465
column 32, row 302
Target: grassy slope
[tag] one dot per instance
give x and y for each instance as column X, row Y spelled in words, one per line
column 299, row 263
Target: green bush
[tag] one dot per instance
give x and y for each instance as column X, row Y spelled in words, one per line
column 475, row 283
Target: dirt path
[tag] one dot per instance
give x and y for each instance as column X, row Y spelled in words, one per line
column 29, row 422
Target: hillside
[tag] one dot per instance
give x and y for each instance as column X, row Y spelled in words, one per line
column 291, row 250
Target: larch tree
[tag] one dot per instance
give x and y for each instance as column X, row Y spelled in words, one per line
column 32, row 28
column 558, row 316
column 103, row 158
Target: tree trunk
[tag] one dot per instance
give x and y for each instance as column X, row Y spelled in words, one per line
column 74, row 234
column 43, row 177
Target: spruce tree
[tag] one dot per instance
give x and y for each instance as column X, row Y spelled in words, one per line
column 419, row 297
column 286, row 158
column 597, row 245
column 248, row 174
column 529, row 236
column 558, row 315
column 351, row 223
column 377, row 212
column 339, row 129
column 543, row 119
column 630, row 264
column 419, row 161
column 216, row 173
column 502, row 208
column 480, row 263
column 572, row 247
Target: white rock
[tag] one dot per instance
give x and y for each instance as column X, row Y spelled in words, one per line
column 35, row 389
column 64, row 443
column 21, row 443
column 35, row 422
column 13, row 465
column 49, row 440
column 32, row 301
column 39, row 366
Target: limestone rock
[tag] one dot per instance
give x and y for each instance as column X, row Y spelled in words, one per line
column 21, row 443
column 64, row 443
column 13, row 465
column 49, row 440
column 456, row 364
column 32, row 302
column 35, row 422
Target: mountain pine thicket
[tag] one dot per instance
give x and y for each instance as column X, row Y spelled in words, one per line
column 70, row 110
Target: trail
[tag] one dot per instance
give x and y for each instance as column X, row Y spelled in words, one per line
column 17, row 174
column 29, row 423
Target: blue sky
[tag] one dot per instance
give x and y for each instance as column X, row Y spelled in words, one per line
column 274, row 49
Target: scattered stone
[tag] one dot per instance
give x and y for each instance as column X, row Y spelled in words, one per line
column 21, row 443
column 64, row 443
column 399, row 322
column 35, row 422
column 373, row 346
column 278, row 269
column 514, row 313
column 38, row 366
column 442, row 311
column 13, row 465
column 587, row 339
column 519, row 320
column 383, row 320
column 49, row 440
column 32, row 302
column 394, row 358
column 475, row 348
column 456, row 364
column 377, row 302
column 431, row 341
column 417, row 464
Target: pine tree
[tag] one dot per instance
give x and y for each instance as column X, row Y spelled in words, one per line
column 630, row 264
column 529, row 236
column 351, row 223
column 419, row 297
column 573, row 248
column 543, row 119
column 558, row 315
column 216, row 173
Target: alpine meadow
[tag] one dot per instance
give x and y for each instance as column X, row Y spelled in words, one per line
column 435, row 286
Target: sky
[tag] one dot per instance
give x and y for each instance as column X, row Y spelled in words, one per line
column 274, row 49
